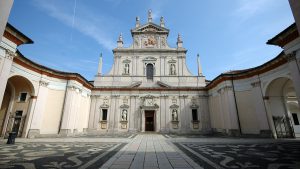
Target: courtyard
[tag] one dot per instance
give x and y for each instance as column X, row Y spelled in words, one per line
column 150, row 150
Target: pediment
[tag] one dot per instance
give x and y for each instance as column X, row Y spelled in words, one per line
column 150, row 28
column 162, row 84
column 136, row 84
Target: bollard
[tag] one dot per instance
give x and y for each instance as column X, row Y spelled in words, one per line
column 11, row 138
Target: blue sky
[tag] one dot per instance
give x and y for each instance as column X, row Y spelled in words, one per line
column 228, row 35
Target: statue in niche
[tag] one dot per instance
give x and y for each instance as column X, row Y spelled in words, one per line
column 172, row 69
column 174, row 115
column 163, row 41
column 124, row 115
column 136, row 41
column 126, row 69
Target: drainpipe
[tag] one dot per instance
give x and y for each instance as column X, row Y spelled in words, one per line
column 63, row 108
column 236, row 107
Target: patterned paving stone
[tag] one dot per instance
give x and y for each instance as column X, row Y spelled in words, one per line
column 56, row 155
column 267, row 156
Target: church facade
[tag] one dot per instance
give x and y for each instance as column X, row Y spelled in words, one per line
column 150, row 89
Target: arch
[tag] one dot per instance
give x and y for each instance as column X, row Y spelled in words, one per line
column 16, row 105
column 283, row 107
column 149, row 71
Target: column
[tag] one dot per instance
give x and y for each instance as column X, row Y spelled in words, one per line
column 137, row 114
column 97, row 112
column 132, row 116
column 111, row 113
column 139, row 72
column 188, row 116
column 270, row 118
column 163, row 112
column 39, row 110
column 260, row 109
column 117, row 113
column 143, row 120
column 182, row 121
column 6, row 60
column 232, row 119
column 133, row 65
column 5, row 7
column 92, row 112
column 294, row 68
column 66, row 128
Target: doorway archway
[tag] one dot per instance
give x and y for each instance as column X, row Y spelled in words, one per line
column 15, row 106
column 284, row 107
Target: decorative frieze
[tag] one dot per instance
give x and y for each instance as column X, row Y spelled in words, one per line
column 255, row 84
column 10, row 55
column 290, row 57
column 115, row 96
column 134, row 96
column 183, row 96
column 43, row 83
column 224, row 89
column 164, row 96
column 174, row 106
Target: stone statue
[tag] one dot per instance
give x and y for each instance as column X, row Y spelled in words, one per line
column 172, row 69
column 121, row 38
column 126, row 69
column 124, row 115
column 150, row 16
column 174, row 115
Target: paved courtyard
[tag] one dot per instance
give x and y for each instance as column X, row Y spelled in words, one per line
column 150, row 151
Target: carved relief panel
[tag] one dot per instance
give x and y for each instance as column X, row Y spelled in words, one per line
column 149, row 41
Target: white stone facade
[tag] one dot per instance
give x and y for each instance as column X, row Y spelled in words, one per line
column 149, row 76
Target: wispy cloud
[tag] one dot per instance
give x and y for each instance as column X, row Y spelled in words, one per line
column 85, row 23
column 249, row 8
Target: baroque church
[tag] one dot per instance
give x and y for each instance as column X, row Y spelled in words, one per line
column 150, row 89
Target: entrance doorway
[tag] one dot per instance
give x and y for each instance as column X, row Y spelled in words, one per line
column 149, row 120
column 284, row 107
column 15, row 106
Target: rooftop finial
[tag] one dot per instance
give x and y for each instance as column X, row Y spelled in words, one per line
column 179, row 38
column 179, row 41
column 199, row 66
column 137, row 21
column 162, row 22
column 120, row 41
column 149, row 15
column 100, row 66
column 121, row 37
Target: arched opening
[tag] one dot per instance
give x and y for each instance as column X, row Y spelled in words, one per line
column 149, row 71
column 15, row 105
column 284, row 107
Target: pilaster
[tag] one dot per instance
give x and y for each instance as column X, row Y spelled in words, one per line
column 6, row 61
column 39, row 110
column 294, row 68
column 69, row 111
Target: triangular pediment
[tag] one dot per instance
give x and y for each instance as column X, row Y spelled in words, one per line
column 150, row 28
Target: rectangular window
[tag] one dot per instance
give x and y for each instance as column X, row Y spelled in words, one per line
column 295, row 118
column 104, row 114
column 23, row 97
column 195, row 114
column 19, row 113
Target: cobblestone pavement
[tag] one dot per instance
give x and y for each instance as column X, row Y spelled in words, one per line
column 56, row 155
column 150, row 150
column 276, row 155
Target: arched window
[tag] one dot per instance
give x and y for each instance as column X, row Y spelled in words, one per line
column 149, row 71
